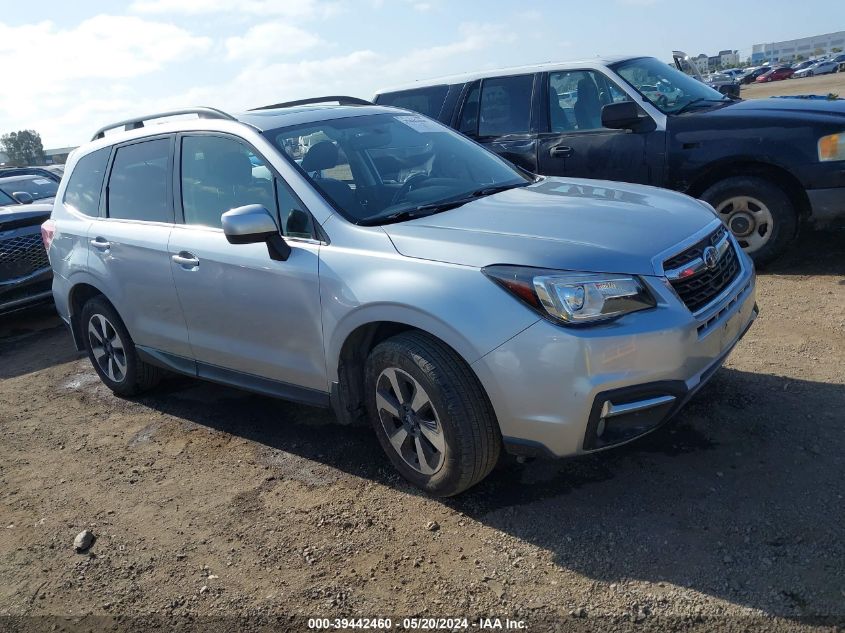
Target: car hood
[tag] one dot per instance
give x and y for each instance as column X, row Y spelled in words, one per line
column 23, row 215
column 566, row 224
column 789, row 106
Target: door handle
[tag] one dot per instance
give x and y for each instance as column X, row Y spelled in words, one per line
column 186, row 260
column 561, row 151
column 101, row 243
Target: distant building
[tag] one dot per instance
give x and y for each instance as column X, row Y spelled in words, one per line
column 57, row 156
column 806, row 47
column 703, row 63
column 728, row 59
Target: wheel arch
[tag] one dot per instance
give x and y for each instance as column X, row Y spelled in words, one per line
column 749, row 167
column 349, row 352
column 80, row 293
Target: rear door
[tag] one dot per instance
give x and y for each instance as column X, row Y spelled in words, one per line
column 128, row 247
column 247, row 314
column 501, row 114
column 574, row 143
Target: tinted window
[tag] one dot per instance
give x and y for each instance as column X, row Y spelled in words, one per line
column 83, row 189
column 469, row 113
column 427, row 101
column 505, row 105
column 295, row 220
column 38, row 187
column 6, row 198
column 219, row 174
column 138, row 182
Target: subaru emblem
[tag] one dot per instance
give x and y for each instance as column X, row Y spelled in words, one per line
column 710, row 257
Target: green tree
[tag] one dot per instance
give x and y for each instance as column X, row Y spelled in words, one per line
column 836, row 49
column 23, row 147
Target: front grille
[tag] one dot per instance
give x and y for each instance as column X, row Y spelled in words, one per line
column 21, row 256
column 700, row 289
column 695, row 251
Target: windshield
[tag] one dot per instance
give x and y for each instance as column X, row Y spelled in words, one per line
column 36, row 186
column 388, row 167
column 5, row 198
column 677, row 90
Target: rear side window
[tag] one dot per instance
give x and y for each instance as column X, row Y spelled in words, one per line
column 83, row 189
column 505, row 105
column 138, row 183
column 427, row 101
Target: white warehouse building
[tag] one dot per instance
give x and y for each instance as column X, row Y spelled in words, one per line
column 806, row 47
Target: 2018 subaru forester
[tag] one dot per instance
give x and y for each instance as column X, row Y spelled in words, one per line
column 373, row 260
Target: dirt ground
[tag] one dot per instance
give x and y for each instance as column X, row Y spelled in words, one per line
column 821, row 85
column 210, row 503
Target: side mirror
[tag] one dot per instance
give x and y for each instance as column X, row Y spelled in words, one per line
column 620, row 116
column 23, row 197
column 252, row 224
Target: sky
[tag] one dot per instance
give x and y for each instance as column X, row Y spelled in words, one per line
column 71, row 67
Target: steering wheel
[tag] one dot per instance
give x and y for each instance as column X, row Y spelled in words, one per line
column 408, row 185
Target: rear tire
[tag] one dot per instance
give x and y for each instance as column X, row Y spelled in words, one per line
column 431, row 414
column 759, row 214
column 112, row 352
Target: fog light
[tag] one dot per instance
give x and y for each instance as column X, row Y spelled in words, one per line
column 600, row 428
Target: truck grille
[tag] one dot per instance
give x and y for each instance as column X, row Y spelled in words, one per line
column 702, row 287
column 22, row 255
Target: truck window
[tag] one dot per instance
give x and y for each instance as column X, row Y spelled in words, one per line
column 427, row 101
column 505, row 106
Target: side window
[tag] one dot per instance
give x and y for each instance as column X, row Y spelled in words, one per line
column 469, row 114
column 218, row 174
column 83, row 189
column 295, row 220
column 138, row 182
column 505, row 105
column 576, row 98
column 427, row 101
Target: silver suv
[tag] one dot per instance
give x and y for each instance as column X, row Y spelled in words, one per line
column 372, row 260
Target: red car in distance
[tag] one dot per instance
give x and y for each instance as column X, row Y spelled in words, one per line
column 776, row 74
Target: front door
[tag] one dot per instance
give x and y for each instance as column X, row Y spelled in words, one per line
column 247, row 313
column 576, row 145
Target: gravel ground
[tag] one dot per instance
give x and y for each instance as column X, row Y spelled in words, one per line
column 821, row 85
column 210, row 503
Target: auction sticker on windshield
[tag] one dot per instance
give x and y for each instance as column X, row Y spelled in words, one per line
column 420, row 124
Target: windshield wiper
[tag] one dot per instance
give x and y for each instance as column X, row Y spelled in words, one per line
column 683, row 108
column 436, row 207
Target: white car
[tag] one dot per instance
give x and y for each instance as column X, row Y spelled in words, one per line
column 822, row 68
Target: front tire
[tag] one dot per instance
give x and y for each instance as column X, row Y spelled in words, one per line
column 431, row 414
column 112, row 352
column 759, row 213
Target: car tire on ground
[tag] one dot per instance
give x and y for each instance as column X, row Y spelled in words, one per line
column 759, row 214
column 431, row 414
column 112, row 352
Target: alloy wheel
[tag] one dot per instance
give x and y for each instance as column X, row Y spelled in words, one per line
column 748, row 219
column 410, row 421
column 107, row 347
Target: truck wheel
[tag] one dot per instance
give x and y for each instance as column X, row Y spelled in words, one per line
column 431, row 414
column 759, row 214
column 112, row 352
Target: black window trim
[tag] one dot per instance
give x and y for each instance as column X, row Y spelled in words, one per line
column 320, row 238
column 170, row 136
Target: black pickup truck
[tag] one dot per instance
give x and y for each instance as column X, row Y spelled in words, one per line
column 766, row 165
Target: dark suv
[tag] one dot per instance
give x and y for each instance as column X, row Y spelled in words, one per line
column 765, row 165
column 25, row 275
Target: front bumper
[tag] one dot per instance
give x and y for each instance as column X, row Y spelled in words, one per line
column 826, row 204
column 565, row 391
column 24, row 292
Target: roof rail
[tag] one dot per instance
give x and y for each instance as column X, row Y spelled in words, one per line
column 340, row 99
column 138, row 122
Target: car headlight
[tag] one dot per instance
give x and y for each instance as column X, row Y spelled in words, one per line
column 572, row 298
column 832, row 147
